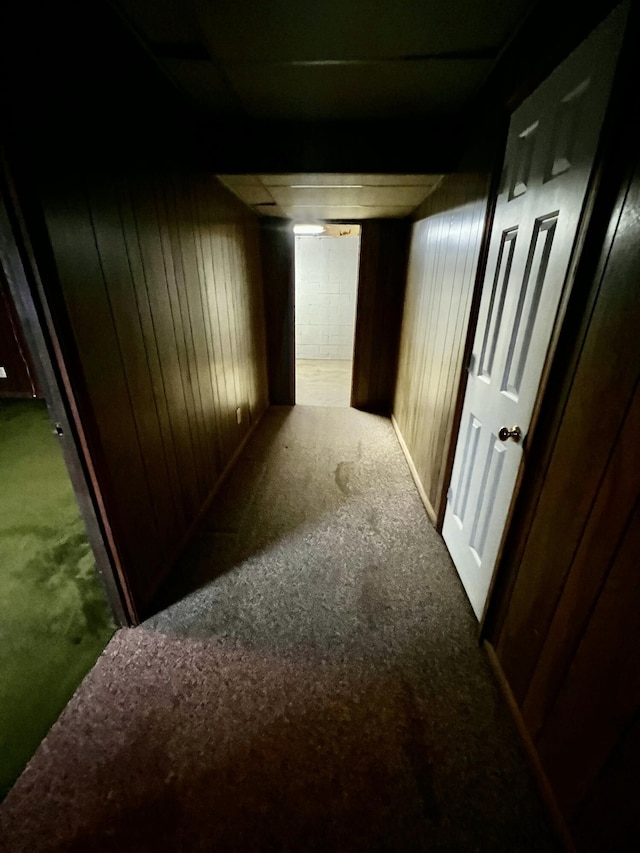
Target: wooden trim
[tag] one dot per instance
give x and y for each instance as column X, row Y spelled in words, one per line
column 544, row 786
column 414, row 473
column 382, row 276
column 21, row 362
column 277, row 259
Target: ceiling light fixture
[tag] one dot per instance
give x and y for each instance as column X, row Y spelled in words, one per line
column 301, row 230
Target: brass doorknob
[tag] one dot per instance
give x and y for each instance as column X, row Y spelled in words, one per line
column 515, row 433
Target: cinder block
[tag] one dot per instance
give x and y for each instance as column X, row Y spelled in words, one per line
column 307, row 351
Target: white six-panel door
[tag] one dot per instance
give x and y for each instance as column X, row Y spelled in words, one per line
column 550, row 152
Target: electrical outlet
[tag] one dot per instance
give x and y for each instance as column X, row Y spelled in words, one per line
column 3, row 373
column 239, row 414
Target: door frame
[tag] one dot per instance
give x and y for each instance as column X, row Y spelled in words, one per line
column 564, row 323
column 327, row 224
column 29, row 295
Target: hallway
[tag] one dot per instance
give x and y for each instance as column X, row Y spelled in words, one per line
column 313, row 682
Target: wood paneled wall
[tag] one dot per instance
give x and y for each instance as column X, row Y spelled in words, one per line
column 160, row 277
column 21, row 380
column 443, row 261
column 278, row 269
column 381, row 281
column 567, row 634
column 151, row 271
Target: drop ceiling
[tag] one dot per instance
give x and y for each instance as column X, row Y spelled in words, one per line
column 327, row 84
column 313, row 197
column 326, row 60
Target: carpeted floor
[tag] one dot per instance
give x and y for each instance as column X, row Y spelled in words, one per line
column 54, row 621
column 313, row 684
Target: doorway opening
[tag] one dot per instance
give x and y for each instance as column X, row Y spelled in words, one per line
column 54, row 616
column 327, row 259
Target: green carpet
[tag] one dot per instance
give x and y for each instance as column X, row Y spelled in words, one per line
column 54, row 619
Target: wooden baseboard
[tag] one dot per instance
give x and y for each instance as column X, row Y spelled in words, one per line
column 414, row 473
column 544, row 786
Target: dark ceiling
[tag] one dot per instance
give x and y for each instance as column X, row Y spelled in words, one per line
column 277, row 87
column 360, row 86
column 321, row 64
column 295, row 88
column 326, row 60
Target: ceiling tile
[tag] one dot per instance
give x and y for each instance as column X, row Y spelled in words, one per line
column 378, row 196
column 160, row 20
column 332, row 179
column 285, row 30
column 399, row 180
column 365, row 91
column 305, row 179
column 367, row 196
column 271, row 211
column 204, row 84
column 253, row 194
column 329, row 60
column 303, row 214
column 240, row 180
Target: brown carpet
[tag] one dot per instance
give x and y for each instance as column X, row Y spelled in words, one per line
column 316, row 684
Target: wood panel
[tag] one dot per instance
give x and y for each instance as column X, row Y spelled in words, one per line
column 278, row 265
column 152, row 272
column 160, row 277
column 381, row 281
column 600, row 696
column 15, row 358
column 443, row 261
column 609, row 817
column 599, row 543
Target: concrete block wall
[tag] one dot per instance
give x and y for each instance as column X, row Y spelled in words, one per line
column 326, row 291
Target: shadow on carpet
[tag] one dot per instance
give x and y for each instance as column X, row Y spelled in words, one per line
column 178, row 744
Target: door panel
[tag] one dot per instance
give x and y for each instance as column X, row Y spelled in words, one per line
column 550, row 152
column 497, row 303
